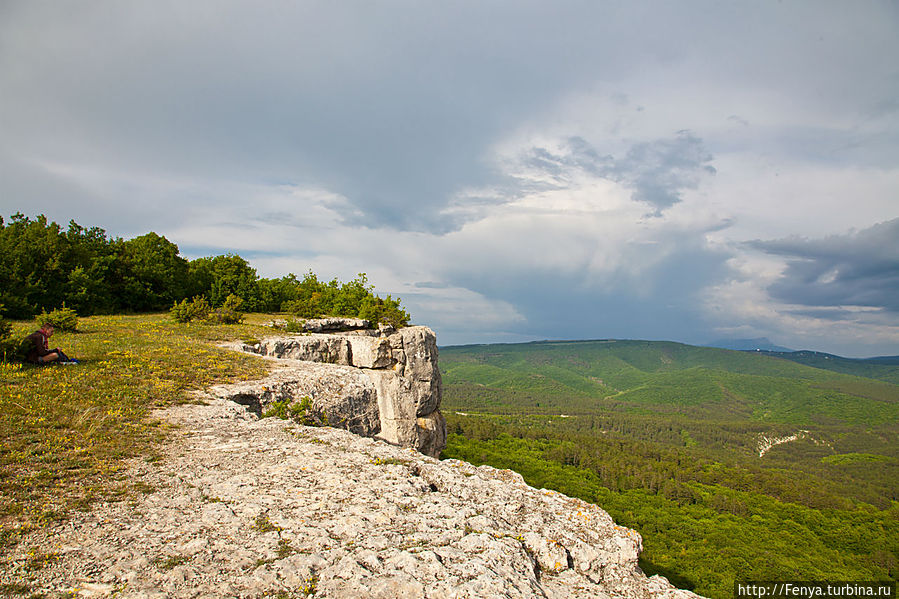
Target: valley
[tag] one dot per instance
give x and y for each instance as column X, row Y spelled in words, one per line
column 732, row 465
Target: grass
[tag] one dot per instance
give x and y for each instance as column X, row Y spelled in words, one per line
column 171, row 561
column 263, row 524
column 67, row 430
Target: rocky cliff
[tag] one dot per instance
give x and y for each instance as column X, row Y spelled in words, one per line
column 381, row 383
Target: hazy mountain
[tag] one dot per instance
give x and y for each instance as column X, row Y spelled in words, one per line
column 760, row 343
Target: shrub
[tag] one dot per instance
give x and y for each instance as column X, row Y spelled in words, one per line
column 229, row 313
column 355, row 299
column 198, row 309
column 7, row 346
column 311, row 307
column 299, row 412
column 294, row 326
column 62, row 319
column 387, row 311
column 195, row 309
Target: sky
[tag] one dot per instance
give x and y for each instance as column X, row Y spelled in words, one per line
column 513, row 170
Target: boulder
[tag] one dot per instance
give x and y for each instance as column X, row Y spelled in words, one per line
column 329, row 349
column 370, row 352
column 339, row 396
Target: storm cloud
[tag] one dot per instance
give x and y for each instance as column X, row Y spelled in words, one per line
column 512, row 170
column 855, row 269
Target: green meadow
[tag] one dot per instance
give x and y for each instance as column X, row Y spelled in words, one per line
column 68, row 430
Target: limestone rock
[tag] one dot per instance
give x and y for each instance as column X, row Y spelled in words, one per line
column 370, row 352
column 249, row 507
column 329, row 349
column 365, row 381
column 340, row 396
column 328, row 325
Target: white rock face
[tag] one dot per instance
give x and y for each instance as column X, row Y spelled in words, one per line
column 380, row 383
column 324, row 325
column 329, row 349
column 246, row 507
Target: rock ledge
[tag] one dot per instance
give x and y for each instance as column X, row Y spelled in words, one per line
column 381, row 383
column 247, row 507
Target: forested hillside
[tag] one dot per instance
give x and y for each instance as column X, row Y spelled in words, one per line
column 733, row 465
column 885, row 368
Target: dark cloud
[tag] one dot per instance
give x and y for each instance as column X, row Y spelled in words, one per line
column 391, row 108
column 574, row 154
column 661, row 170
column 661, row 301
column 824, row 313
column 857, row 269
column 394, row 107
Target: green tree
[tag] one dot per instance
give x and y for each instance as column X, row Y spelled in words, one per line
column 217, row 277
column 33, row 260
column 154, row 276
column 275, row 294
column 44, row 268
column 7, row 346
column 314, row 298
column 89, row 283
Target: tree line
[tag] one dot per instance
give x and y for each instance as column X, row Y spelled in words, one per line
column 44, row 267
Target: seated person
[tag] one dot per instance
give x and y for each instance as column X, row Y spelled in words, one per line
column 39, row 351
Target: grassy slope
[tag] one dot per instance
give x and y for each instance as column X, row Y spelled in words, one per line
column 67, row 430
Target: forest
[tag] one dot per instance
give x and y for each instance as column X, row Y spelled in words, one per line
column 44, row 267
column 670, row 439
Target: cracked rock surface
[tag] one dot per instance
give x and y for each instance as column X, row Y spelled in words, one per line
column 248, row 507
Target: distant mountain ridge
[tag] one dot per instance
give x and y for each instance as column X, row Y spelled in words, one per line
column 807, row 353
column 884, row 368
column 756, row 344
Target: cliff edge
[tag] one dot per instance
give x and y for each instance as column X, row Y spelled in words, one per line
column 249, row 507
column 243, row 506
column 375, row 382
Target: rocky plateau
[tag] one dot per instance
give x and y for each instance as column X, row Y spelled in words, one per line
column 242, row 506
